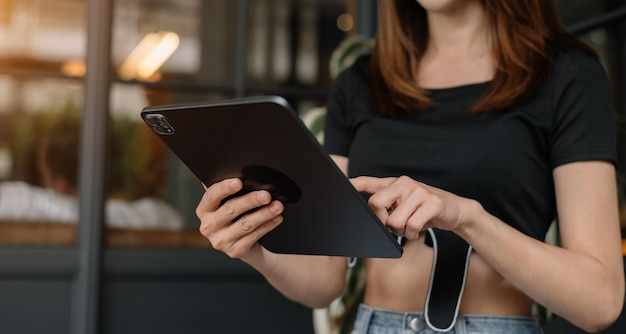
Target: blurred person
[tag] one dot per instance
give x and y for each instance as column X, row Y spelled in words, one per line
column 472, row 126
column 57, row 157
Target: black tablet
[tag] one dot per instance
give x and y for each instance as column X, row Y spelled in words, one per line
column 263, row 141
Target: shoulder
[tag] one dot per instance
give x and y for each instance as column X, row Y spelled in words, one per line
column 581, row 117
column 351, row 83
column 362, row 63
column 577, row 75
column 356, row 71
column 575, row 63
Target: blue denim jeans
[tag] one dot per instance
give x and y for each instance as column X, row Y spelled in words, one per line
column 379, row 321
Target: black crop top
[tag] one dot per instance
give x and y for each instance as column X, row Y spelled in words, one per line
column 503, row 159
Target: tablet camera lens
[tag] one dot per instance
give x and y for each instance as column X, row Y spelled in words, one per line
column 159, row 124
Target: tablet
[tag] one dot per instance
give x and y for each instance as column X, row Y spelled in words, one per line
column 262, row 141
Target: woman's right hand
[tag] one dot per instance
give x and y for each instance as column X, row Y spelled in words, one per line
column 229, row 226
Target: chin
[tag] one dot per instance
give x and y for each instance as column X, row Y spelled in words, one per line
column 445, row 6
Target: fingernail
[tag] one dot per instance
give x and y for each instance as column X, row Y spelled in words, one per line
column 262, row 197
column 234, row 184
column 275, row 207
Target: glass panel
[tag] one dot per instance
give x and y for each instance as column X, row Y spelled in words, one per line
column 289, row 44
column 42, row 44
column 159, row 42
column 39, row 133
column 152, row 195
column 174, row 40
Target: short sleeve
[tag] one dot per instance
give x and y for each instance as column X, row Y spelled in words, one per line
column 337, row 133
column 583, row 120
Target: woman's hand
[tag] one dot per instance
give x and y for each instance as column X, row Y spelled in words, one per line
column 229, row 226
column 408, row 207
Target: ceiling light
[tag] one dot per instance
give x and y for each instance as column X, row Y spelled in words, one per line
column 149, row 55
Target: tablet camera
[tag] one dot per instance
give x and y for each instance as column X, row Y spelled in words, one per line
column 159, row 124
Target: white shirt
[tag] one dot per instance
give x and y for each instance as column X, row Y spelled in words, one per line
column 20, row 201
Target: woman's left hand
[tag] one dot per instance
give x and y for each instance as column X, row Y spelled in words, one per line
column 409, row 207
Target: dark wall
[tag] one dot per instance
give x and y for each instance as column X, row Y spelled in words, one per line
column 212, row 305
column 30, row 305
column 144, row 291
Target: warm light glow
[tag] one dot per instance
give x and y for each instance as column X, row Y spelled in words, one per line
column 156, row 77
column 158, row 55
column 345, row 22
column 128, row 69
column 74, row 68
column 149, row 55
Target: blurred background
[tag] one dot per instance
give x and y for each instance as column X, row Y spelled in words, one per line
column 78, row 72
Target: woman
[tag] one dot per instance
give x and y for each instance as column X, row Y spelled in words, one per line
column 481, row 119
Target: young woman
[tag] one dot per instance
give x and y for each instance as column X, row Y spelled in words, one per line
column 473, row 125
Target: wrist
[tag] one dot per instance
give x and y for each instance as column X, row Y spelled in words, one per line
column 475, row 213
column 256, row 257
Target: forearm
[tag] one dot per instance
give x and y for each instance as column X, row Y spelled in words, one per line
column 572, row 284
column 313, row 281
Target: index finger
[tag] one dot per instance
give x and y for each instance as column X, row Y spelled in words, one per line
column 370, row 185
column 215, row 193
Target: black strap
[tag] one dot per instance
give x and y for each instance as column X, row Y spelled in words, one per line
column 447, row 280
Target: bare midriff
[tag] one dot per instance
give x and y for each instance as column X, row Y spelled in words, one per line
column 402, row 284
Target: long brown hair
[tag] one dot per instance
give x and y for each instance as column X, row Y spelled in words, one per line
column 526, row 36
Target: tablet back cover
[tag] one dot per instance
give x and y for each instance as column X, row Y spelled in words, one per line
column 230, row 138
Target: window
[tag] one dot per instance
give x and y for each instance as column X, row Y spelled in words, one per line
column 42, row 46
column 216, row 49
column 201, row 50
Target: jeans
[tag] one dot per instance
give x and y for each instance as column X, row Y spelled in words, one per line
column 379, row 321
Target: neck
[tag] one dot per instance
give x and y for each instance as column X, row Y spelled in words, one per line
column 461, row 30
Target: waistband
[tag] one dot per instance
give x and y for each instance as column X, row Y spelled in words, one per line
column 371, row 320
